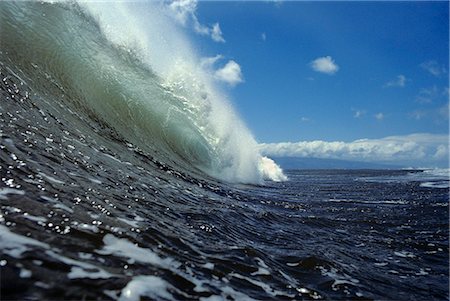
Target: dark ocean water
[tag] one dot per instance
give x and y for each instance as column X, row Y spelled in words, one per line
column 106, row 191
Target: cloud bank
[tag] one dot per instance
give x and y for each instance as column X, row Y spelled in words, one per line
column 419, row 150
column 324, row 65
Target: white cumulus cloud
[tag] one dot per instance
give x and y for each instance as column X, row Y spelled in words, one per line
column 216, row 33
column 379, row 116
column 441, row 152
column 433, row 68
column 208, row 62
column 324, row 65
column 184, row 11
column 414, row 149
column 428, row 95
column 399, row 81
column 359, row 113
column 230, row 73
column 305, row 119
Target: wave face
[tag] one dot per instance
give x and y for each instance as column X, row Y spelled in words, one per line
column 129, row 66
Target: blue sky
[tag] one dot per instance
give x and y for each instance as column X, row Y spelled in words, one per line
column 331, row 71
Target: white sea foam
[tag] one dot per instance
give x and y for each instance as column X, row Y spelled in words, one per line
column 155, row 287
column 15, row 245
column 84, row 226
column 50, row 178
column 63, row 207
column 4, row 192
column 24, row 273
column 80, row 269
column 263, row 269
column 134, row 223
column 438, row 172
column 267, row 288
column 34, row 218
column 148, row 286
column 438, row 184
column 405, row 254
column 124, row 248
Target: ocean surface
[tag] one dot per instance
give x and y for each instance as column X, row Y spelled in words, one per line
column 126, row 175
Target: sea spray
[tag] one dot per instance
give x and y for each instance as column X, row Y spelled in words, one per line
column 271, row 171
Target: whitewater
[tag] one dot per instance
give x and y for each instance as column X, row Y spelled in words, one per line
column 126, row 174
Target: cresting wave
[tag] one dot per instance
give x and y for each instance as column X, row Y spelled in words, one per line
column 130, row 66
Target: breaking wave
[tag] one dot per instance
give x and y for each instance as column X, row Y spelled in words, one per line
column 131, row 67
